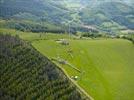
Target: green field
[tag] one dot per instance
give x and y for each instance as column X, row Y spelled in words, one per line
column 107, row 65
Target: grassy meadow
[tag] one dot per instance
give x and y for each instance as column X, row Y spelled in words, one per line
column 106, row 65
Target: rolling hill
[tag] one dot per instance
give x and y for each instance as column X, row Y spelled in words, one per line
column 56, row 15
column 33, row 15
column 36, row 9
column 109, row 16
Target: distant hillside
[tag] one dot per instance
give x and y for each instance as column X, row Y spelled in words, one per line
column 109, row 16
column 61, row 16
column 27, row 75
column 36, row 9
column 47, row 14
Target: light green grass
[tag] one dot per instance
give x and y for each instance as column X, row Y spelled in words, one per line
column 107, row 65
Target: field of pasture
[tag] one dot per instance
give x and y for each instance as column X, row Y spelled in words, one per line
column 106, row 65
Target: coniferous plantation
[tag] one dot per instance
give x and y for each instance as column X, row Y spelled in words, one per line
column 27, row 75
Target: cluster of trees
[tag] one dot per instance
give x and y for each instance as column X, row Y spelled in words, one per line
column 92, row 35
column 26, row 74
column 129, row 37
